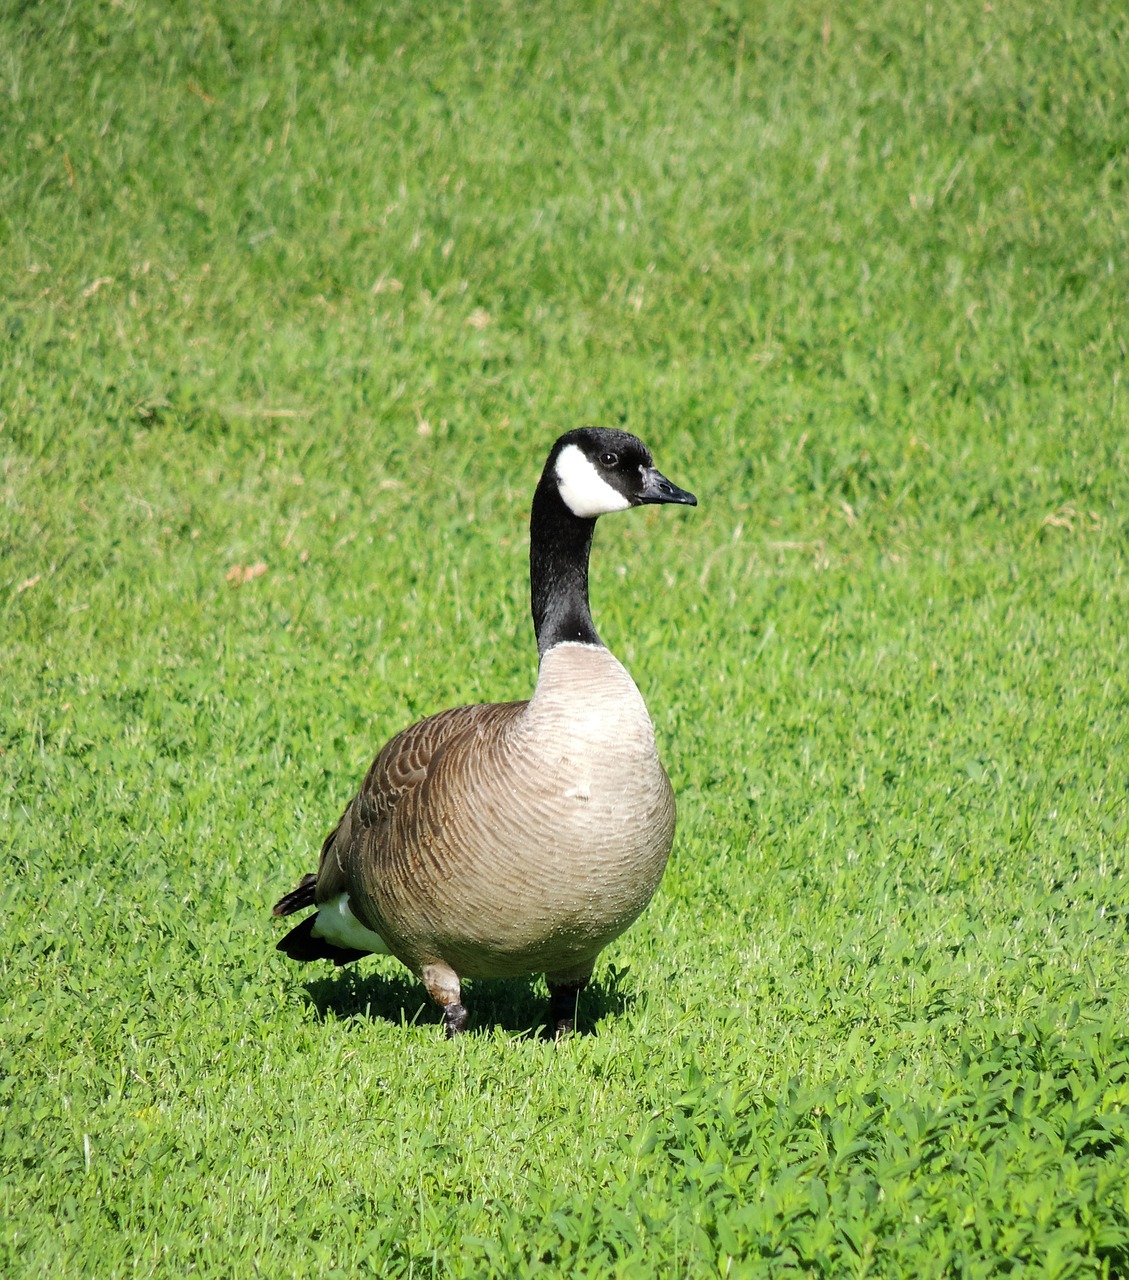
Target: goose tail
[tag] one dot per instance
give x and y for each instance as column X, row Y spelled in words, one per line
column 302, row 895
column 301, row 943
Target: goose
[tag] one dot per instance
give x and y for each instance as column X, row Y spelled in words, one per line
column 512, row 838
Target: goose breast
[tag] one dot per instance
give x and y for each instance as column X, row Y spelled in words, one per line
column 531, row 836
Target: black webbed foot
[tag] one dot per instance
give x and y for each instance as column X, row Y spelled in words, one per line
column 562, row 1008
column 455, row 1019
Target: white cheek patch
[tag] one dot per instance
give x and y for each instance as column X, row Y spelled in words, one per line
column 337, row 924
column 585, row 492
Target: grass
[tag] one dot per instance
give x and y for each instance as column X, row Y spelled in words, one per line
column 294, row 299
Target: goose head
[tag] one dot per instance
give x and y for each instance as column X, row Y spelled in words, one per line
column 598, row 470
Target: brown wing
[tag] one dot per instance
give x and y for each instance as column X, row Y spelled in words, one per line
column 402, row 766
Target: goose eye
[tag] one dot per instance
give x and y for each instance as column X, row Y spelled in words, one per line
column 609, row 459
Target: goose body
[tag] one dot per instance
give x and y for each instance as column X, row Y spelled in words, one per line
column 511, row 838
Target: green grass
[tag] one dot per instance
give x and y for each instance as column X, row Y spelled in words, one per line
column 313, row 287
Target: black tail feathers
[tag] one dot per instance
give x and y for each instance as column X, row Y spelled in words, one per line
column 300, row 943
column 303, row 895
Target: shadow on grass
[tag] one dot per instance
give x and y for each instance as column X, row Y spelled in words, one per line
column 519, row 1006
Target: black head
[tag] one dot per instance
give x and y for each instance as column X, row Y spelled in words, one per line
column 596, row 470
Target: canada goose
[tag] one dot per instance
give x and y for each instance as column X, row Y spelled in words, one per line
column 519, row 837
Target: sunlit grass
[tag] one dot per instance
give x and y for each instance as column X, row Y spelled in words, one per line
column 294, row 301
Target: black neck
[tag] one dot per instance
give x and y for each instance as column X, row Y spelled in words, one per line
column 559, row 546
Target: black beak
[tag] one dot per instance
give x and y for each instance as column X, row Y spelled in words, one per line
column 657, row 488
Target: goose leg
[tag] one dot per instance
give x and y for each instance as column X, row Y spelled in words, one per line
column 562, row 1005
column 455, row 1018
column 442, row 984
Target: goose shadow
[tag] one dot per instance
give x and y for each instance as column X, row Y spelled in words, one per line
column 518, row 1006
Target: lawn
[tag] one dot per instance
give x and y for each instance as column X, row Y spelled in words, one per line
column 293, row 300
